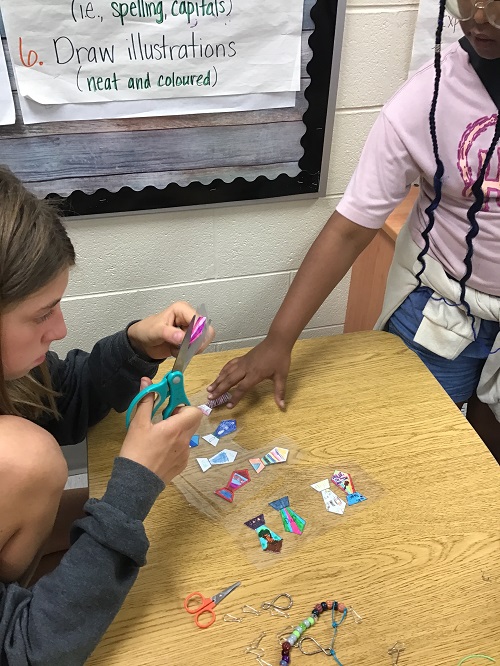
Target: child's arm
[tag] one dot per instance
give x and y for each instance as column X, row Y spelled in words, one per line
column 385, row 172
column 89, row 385
column 60, row 620
column 327, row 261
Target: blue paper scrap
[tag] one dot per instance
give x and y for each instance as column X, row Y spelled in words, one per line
column 225, row 428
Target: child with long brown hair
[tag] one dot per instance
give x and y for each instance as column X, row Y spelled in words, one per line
column 46, row 402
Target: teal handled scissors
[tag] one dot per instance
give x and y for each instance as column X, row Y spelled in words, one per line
column 206, row 606
column 171, row 387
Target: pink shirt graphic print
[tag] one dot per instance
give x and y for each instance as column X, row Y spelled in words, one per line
column 398, row 152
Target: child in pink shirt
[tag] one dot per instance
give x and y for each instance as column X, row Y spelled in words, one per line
column 443, row 291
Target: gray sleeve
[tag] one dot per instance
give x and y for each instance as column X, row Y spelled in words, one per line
column 90, row 385
column 60, row 620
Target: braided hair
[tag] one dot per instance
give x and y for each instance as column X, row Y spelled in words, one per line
column 477, row 187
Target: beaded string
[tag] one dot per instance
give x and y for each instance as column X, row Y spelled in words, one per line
column 334, row 606
column 336, row 626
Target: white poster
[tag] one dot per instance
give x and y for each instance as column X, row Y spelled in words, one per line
column 44, row 113
column 7, row 111
column 74, row 51
column 425, row 33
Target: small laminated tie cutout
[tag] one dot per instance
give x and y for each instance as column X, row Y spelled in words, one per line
column 276, row 455
column 238, row 479
column 269, row 540
column 344, row 481
column 291, row 521
column 333, row 503
column 221, row 400
column 224, row 428
column 221, row 458
column 195, row 440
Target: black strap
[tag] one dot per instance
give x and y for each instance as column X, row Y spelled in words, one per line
column 487, row 70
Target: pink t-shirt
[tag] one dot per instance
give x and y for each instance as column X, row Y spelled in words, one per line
column 398, row 151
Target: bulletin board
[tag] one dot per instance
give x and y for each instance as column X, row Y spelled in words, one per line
column 137, row 164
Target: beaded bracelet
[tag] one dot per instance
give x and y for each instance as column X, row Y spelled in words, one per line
column 287, row 645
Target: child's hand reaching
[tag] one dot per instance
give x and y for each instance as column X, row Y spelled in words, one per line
column 268, row 360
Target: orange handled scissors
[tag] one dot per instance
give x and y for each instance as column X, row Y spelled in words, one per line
column 207, row 605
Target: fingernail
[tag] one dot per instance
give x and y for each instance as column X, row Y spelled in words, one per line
column 178, row 337
column 144, row 383
column 229, row 405
column 210, row 396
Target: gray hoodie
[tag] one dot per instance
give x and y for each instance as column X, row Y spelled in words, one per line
column 60, row 620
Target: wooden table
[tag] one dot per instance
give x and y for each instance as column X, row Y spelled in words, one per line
column 420, row 561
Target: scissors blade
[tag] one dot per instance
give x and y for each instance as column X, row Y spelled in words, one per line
column 182, row 360
column 221, row 595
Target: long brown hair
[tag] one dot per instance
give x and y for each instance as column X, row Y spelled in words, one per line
column 34, row 249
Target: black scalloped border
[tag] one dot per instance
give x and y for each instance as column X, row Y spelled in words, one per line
column 321, row 41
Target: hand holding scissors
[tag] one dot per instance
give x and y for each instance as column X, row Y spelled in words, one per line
column 171, row 387
column 206, row 606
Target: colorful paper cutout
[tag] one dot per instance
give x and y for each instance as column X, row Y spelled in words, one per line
column 355, row 498
column 195, row 440
column 344, row 480
column 221, row 400
column 291, row 521
column 222, row 458
column 239, row 478
column 269, row 540
column 205, row 409
column 333, row 503
column 276, row 455
column 198, row 329
column 211, row 439
column 257, row 464
column 225, row 427
column 204, row 463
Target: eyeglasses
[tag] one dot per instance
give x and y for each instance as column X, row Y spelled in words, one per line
column 464, row 10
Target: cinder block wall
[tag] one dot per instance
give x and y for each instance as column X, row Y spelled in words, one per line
column 238, row 260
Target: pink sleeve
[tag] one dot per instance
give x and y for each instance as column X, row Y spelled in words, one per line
column 382, row 178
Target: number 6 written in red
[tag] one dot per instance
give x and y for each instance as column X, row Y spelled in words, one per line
column 32, row 57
